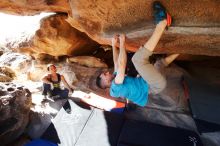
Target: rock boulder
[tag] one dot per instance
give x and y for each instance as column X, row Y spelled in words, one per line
column 15, row 102
column 56, row 37
column 195, row 28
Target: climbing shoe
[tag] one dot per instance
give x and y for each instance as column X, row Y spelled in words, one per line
column 160, row 13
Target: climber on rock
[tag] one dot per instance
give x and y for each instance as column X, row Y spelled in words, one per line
column 51, row 84
column 151, row 80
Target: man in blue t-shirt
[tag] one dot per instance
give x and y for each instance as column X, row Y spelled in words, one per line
column 136, row 89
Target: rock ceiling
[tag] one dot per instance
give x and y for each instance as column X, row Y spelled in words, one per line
column 195, row 29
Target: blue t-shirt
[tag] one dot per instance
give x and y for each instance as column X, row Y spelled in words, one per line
column 134, row 89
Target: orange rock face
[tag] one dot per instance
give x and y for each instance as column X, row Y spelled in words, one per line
column 56, row 37
column 195, row 28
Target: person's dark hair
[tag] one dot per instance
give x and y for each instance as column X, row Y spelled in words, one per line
column 98, row 82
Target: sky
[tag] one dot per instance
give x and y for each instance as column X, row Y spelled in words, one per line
column 12, row 26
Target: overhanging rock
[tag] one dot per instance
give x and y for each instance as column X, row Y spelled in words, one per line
column 195, row 29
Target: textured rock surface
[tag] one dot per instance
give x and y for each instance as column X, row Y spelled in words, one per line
column 15, row 102
column 6, row 74
column 195, row 29
column 88, row 61
column 17, row 65
column 37, row 71
column 32, row 7
column 86, row 77
column 3, row 50
column 56, row 37
column 17, row 62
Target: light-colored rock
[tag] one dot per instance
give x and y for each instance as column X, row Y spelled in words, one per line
column 16, row 61
column 88, row 61
column 68, row 73
column 19, row 64
column 6, row 74
column 195, row 27
column 37, row 72
column 3, row 50
column 15, row 102
column 57, row 38
column 86, row 78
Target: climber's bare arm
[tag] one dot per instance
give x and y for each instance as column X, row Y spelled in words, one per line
column 122, row 61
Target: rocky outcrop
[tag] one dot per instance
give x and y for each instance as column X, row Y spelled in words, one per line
column 3, row 50
column 88, row 61
column 56, row 37
column 37, row 71
column 32, row 7
column 15, row 64
column 15, row 102
column 6, row 74
column 85, row 78
column 195, row 28
column 16, row 61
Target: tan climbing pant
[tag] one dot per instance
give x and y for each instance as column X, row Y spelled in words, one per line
column 152, row 74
